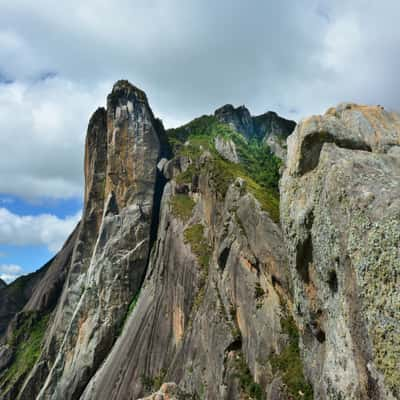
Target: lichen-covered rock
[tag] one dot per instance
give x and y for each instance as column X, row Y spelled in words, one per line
column 340, row 211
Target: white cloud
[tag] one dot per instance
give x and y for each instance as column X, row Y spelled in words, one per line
column 42, row 132
column 190, row 58
column 9, row 272
column 44, row 229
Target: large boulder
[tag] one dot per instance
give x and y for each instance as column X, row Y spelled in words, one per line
column 340, row 211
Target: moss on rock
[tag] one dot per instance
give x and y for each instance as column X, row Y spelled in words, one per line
column 182, row 206
column 288, row 364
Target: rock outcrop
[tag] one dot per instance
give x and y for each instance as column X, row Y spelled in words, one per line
column 209, row 311
column 239, row 118
column 226, row 148
column 111, row 247
column 340, row 212
column 269, row 128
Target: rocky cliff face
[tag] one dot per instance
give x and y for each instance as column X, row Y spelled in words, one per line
column 179, row 282
column 209, row 311
column 268, row 128
column 340, row 212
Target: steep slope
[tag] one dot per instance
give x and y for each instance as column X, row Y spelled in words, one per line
column 29, row 300
column 213, row 314
column 180, row 283
column 111, row 248
column 340, row 211
column 13, row 297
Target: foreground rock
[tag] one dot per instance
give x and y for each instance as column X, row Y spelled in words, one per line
column 340, row 210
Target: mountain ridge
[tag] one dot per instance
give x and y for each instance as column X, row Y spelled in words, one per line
column 208, row 258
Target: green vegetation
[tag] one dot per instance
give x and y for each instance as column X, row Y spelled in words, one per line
column 258, row 166
column 224, row 173
column 152, row 384
column 182, row 206
column 26, row 340
column 247, row 384
column 194, row 235
column 131, row 307
column 186, row 176
column 288, row 364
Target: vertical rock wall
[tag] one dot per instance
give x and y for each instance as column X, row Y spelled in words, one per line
column 340, row 211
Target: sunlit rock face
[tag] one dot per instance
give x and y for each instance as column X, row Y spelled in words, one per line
column 340, row 210
column 112, row 246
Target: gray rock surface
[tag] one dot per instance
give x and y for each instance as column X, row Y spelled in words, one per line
column 268, row 128
column 111, row 251
column 202, row 324
column 340, row 212
column 227, row 149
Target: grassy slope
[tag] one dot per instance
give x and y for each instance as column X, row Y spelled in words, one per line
column 258, row 166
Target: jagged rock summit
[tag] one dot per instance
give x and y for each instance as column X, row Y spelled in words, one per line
column 269, row 127
column 190, row 276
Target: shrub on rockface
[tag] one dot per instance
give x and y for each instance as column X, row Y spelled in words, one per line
column 182, row 206
column 26, row 340
column 288, row 364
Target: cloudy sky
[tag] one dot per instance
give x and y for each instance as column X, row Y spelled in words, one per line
column 58, row 61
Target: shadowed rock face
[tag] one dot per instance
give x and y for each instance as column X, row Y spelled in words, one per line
column 340, row 211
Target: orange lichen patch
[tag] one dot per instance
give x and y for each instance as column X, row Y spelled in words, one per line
column 247, row 264
column 178, row 323
column 241, row 322
column 311, row 292
column 310, row 288
column 81, row 330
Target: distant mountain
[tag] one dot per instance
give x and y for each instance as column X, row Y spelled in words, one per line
column 268, row 128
